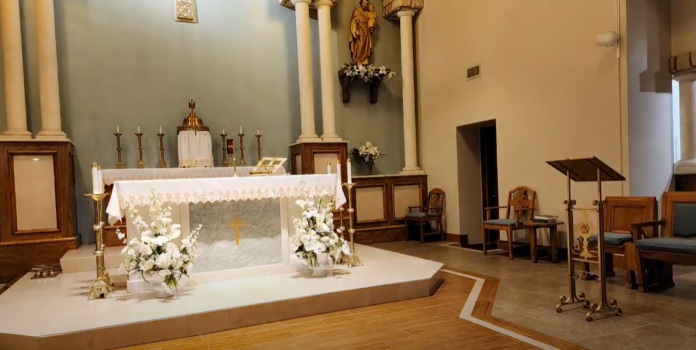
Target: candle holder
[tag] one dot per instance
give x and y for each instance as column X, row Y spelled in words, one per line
column 141, row 164
column 341, row 230
column 353, row 259
column 162, row 163
column 224, row 150
column 102, row 285
column 234, row 164
column 242, row 162
column 119, row 163
column 258, row 147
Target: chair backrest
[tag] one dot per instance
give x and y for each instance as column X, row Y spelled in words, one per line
column 679, row 211
column 520, row 198
column 621, row 212
column 436, row 199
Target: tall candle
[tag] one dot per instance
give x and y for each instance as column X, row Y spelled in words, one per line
column 160, row 128
column 100, row 178
column 338, row 171
column 350, row 176
column 258, row 131
column 240, row 130
column 95, row 179
column 138, row 129
column 118, row 130
column 328, row 168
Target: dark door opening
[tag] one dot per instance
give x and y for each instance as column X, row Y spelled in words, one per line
column 489, row 176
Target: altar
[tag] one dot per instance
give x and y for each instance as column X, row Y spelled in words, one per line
column 246, row 222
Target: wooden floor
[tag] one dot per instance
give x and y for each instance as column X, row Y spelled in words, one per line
column 427, row 323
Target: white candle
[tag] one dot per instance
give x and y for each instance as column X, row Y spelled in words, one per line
column 223, row 131
column 240, row 130
column 328, row 168
column 350, row 176
column 95, row 179
column 100, row 178
column 138, row 129
column 118, row 130
column 258, row 131
column 160, row 128
column 338, row 171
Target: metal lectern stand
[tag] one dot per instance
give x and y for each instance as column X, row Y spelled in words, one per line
column 579, row 250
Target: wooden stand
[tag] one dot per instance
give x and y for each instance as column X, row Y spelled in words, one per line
column 25, row 239
column 587, row 170
column 306, row 158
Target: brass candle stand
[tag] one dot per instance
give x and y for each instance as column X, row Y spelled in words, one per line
column 162, row 163
column 119, row 163
column 141, row 164
column 242, row 162
column 258, row 147
column 224, row 150
column 353, row 259
column 234, row 164
column 102, row 285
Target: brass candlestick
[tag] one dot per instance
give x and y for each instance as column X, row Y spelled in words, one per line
column 119, row 163
column 162, row 163
column 258, row 147
column 234, row 164
column 224, row 150
column 102, row 285
column 353, row 259
column 242, row 162
column 141, row 164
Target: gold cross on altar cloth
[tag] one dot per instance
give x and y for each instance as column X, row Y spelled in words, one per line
column 237, row 225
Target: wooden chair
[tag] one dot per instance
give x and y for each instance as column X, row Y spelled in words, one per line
column 655, row 254
column 519, row 208
column 433, row 211
column 619, row 214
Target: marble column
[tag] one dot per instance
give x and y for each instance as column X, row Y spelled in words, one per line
column 48, row 72
column 304, row 61
column 328, row 111
column 687, row 122
column 13, row 72
column 409, row 92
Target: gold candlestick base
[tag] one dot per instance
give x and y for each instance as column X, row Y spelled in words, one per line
column 119, row 163
column 162, row 163
column 102, row 285
column 141, row 164
column 353, row 259
column 242, row 162
column 225, row 163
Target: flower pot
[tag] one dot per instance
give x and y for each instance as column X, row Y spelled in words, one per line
column 345, row 86
column 156, row 283
column 374, row 90
column 320, row 270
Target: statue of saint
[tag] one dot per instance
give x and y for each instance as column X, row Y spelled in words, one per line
column 362, row 27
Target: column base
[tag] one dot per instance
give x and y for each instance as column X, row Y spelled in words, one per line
column 308, row 138
column 331, row 138
column 685, row 167
column 52, row 136
column 12, row 135
column 412, row 171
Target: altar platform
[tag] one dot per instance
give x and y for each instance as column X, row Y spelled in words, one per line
column 55, row 314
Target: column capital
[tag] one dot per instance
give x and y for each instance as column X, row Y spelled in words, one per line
column 393, row 9
column 329, row 3
column 313, row 3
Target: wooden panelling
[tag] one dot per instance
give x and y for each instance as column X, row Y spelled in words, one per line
column 405, row 196
column 373, row 204
column 685, row 182
column 306, row 153
column 24, row 249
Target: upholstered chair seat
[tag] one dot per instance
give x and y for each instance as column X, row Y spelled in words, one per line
column 500, row 222
column 615, row 239
column 667, row 245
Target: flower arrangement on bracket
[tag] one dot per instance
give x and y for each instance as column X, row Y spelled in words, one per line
column 155, row 255
column 314, row 233
column 366, row 155
column 368, row 74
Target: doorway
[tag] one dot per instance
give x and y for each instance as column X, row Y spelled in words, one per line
column 477, row 166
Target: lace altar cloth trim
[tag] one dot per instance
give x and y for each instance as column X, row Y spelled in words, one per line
column 113, row 175
column 135, row 193
column 200, row 163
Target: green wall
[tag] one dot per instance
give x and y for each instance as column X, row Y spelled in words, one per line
column 128, row 63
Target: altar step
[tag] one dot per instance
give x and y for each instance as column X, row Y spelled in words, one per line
column 82, row 259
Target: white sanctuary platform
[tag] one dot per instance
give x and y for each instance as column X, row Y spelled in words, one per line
column 54, row 314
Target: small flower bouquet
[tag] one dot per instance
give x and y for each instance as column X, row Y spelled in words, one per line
column 368, row 73
column 315, row 240
column 366, row 154
column 155, row 255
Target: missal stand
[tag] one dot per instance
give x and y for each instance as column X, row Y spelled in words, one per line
column 587, row 170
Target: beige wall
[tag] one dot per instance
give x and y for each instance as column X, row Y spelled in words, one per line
column 552, row 92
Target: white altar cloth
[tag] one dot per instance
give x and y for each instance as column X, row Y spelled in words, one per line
column 195, row 149
column 134, row 193
column 112, row 175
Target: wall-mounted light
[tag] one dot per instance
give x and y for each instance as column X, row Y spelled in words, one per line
column 609, row 39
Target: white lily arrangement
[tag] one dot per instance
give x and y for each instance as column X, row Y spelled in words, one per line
column 366, row 154
column 314, row 232
column 155, row 252
column 368, row 73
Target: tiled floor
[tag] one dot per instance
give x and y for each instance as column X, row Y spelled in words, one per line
column 529, row 292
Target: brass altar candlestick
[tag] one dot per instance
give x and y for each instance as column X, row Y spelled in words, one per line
column 258, row 147
column 102, row 285
column 353, row 259
column 224, row 150
column 119, row 163
column 242, row 162
column 234, row 164
column 162, row 163
column 141, row 164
